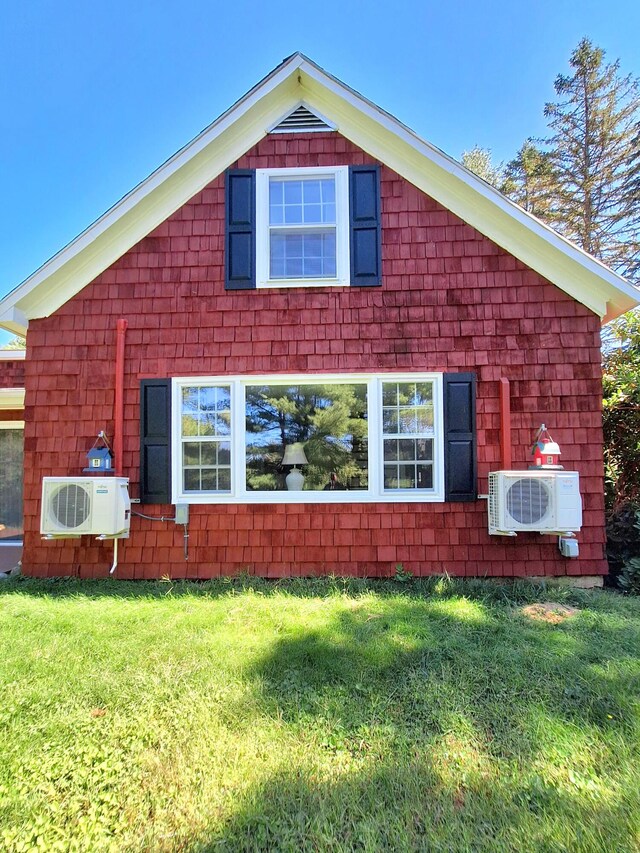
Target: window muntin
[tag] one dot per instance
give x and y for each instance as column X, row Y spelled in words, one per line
column 408, row 433
column 205, row 431
column 302, row 226
column 328, row 419
column 411, row 439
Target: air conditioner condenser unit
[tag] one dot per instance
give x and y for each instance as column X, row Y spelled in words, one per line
column 78, row 506
column 534, row 501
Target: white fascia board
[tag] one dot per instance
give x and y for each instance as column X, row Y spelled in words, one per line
column 153, row 201
column 11, row 398
column 472, row 199
column 12, row 319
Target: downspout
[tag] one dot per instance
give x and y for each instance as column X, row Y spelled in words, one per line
column 118, row 408
column 505, row 425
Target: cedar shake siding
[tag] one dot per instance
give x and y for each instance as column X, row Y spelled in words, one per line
column 450, row 301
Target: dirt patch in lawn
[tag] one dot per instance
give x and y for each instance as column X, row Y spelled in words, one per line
column 550, row 612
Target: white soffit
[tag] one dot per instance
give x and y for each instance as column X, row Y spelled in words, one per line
column 296, row 81
column 11, row 398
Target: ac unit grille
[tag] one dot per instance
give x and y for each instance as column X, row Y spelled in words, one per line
column 527, row 501
column 70, row 506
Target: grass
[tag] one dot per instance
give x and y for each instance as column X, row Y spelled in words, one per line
column 319, row 715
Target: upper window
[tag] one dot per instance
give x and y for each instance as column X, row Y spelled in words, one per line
column 302, row 227
column 302, row 439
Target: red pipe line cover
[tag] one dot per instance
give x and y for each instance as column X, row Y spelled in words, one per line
column 505, row 425
column 118, row 408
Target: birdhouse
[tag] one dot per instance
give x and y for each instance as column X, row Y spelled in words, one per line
column 545, row 451
column 99, row 459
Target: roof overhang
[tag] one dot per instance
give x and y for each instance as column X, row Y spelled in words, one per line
column 378, row 133
column 11, row 398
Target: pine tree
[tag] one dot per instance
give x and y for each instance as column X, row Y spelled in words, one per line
column 593, row 152
column 529, row 181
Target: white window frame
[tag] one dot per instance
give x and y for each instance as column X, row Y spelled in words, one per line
column 12, row 543
column 375, row 493
column 343, row 272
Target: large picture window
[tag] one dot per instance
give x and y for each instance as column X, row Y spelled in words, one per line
column 302, row 226
column 305, row 439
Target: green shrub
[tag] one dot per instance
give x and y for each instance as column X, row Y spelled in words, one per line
column 623, row 546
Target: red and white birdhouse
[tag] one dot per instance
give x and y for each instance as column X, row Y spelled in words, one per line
column 545, row 451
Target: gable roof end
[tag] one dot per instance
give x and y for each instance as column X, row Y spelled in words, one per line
column 298, row 82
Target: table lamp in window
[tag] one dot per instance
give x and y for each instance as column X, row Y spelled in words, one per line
column 294, row 455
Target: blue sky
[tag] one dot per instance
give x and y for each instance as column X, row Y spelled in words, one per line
column 96, row 95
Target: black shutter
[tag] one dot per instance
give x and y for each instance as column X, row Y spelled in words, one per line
column 240, row 229
column 364, row 215
column 460, row 437
column 155, row 441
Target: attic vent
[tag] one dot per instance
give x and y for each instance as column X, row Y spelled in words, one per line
column 302, row 119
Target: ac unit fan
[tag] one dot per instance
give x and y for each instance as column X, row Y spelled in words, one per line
column 77, row 506
column 538, row 501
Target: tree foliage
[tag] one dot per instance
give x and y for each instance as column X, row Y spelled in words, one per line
column 621, row 417
column 479, row 161
column 593, row 152
column 529, row 181
column 16, row 343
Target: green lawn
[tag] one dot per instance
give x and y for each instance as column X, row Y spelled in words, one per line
column 313, row 716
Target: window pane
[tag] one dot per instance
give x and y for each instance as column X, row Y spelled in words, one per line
column 406, row 476
column 391, row 476
column 425, row 476
column 390, row 420
column 390, row 449
column 209, row 480
column 191, row 453
column 293, row 192
column 11, row 478
column 303, row 254
column 328, row 421
column 208, row 452
column 192, row 480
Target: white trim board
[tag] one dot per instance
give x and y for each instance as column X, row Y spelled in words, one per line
column 11, row 398
column 297, row 80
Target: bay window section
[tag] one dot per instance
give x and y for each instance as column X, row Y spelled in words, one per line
column 299, row 439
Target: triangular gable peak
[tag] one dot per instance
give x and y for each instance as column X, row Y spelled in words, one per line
column 296, row 82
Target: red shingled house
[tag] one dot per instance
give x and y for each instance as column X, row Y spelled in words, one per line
column 316, row 334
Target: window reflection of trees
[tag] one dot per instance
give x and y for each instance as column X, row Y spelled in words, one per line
column 329, row 420
column 206, row 426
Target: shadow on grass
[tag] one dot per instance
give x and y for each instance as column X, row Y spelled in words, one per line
column 449, row 731
column 410, row 807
